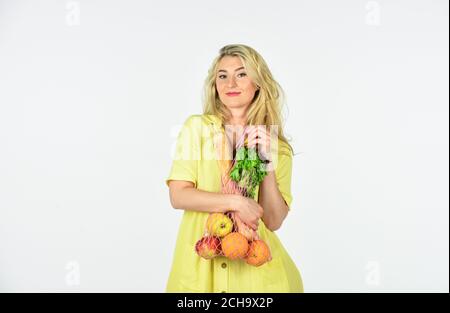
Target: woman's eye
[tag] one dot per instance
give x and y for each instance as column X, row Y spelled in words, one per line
column 224, row 76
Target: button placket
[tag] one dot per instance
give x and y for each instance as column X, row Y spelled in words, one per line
column 222, row 269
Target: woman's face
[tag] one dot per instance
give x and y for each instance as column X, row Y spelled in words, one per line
column 234, row 86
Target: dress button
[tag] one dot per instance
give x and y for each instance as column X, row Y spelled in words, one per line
column 224, row 265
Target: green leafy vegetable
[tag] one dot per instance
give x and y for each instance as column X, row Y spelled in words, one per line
column 249, row 170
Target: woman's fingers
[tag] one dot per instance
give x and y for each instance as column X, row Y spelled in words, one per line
column 258, row 141
column 251, row 224
column 258, row 134
column 257, row 131
column 251, row 136
column 251, row 213
column 261, row 211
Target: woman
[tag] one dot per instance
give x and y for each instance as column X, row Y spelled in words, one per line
column 239, row 91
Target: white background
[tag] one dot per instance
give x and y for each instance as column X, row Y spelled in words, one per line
column 92, row 94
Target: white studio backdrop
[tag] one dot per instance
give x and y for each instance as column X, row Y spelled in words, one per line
column 93, row 94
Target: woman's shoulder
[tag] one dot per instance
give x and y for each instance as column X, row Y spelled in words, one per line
column 201, row 120
column 284, row 148
column 210, row 119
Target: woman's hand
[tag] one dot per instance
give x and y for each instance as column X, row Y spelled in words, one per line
column 258, row 135
column 248, row 210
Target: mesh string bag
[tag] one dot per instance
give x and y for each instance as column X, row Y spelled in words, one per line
column 225, row 233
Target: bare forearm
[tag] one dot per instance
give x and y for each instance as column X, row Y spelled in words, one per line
column 193, row 199
column 270, row 198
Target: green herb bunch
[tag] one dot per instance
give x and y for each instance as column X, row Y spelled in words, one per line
column 248, row 170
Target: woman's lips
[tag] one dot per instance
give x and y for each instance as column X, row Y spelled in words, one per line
column 233, row 94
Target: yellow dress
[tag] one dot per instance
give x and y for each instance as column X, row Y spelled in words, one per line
column 194, row 161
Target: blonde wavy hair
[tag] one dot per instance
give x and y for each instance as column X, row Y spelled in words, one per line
column 266, row 106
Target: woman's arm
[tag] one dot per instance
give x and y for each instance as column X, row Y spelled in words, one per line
column 184, row 196
column 270, row 198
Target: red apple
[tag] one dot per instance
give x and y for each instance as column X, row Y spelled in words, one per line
column 208, row 247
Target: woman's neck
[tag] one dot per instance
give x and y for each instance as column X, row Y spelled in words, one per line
column 237, row 121
column 238, row 117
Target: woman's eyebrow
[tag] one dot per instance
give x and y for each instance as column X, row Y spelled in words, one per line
column 240, row 68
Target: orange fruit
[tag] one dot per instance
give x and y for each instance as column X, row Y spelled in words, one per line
column 258, row 253
column 234, row 246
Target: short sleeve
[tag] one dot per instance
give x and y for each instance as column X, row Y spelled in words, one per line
column 187, row 152
column 283, row 174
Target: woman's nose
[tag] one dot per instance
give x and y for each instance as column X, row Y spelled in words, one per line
column 231, row 82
